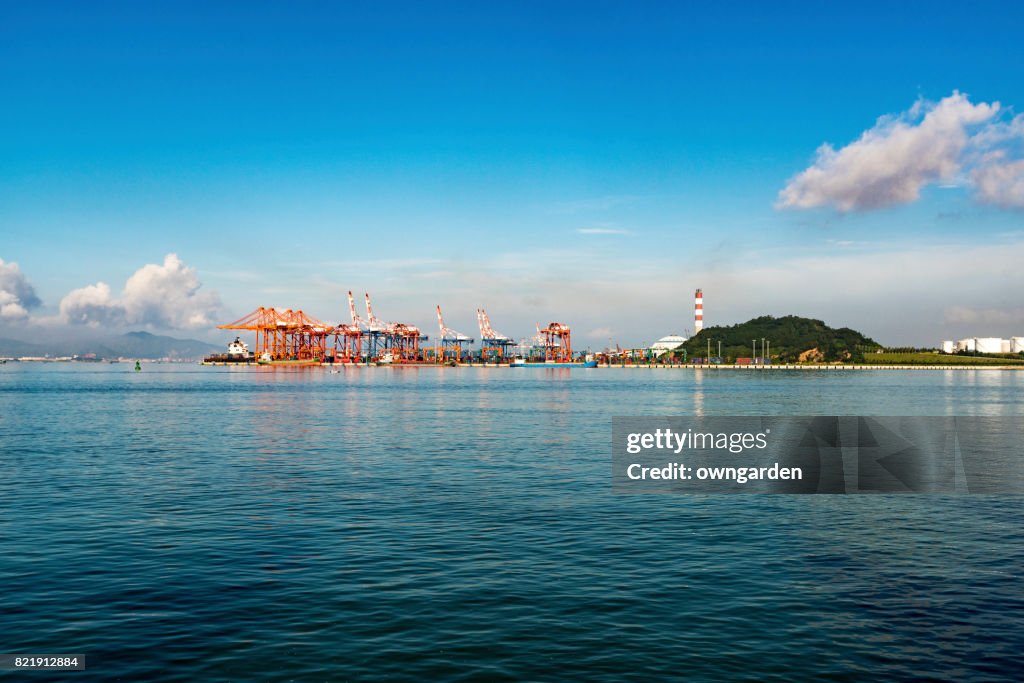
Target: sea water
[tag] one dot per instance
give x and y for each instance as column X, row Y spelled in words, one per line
column 188, row 523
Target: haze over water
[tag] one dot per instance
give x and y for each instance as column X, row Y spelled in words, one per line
column 189, row 523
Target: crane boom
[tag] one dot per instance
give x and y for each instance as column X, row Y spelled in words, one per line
column 356, row 320
column 486, row 331
column 447, row 333
column 369, row 309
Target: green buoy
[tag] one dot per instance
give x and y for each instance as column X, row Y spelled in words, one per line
column 138, row 366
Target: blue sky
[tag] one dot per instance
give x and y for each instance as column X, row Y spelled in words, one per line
column 585, row 162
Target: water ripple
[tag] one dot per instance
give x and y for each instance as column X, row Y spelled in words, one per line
column 179, row 524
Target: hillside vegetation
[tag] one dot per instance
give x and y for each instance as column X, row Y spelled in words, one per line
column 792, row 339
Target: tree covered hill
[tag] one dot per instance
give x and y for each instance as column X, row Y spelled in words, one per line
column 791, row 339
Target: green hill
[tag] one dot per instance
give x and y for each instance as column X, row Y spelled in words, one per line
column 791, row 339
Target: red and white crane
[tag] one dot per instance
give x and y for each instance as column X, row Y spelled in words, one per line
column 494, row 346
column 372, row 322
column 447, row 333
column 356, row 318
column 487, row 333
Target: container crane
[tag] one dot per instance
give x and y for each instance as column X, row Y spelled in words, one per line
column 557, row 342
column 284, row 334
column 451, row 341
column 400, row 339
column 494, row 346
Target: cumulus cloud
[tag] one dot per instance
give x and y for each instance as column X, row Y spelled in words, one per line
column 161, row 296
column 92, row 305
column 1000, row 182
column 890, row 163
column 10, row 309
column 17, row 296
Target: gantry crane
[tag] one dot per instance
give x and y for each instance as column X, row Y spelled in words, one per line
column 557, row 343
column 401, row 340
column 451, row 341
column 493, row 345
column 284, row 334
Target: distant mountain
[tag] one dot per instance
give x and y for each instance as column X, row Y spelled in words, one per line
column 791, row 339
column 130, row 345
column 12, row 348
column 146, row 345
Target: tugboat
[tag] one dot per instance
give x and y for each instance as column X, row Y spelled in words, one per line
column 238, row 352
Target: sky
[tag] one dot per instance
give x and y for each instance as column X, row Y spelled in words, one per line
column 173, row 166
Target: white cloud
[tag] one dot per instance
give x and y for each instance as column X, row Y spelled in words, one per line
column 1000, row 135
column 601, row 231
column 1000, row 182
column 10, row 309
column 891, row 162
column 17, row 295
column 92, row 305
column 594, row 204
column 160, row 296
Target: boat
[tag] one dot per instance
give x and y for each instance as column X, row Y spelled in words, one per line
column 290, row 362
column 267, row 359
column 238, row 352
column 524, row 363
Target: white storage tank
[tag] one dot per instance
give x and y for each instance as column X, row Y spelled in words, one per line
column 965, row 345
column 947, row 346
column 1016, row 344
column 988, row 344
column 1004, row 346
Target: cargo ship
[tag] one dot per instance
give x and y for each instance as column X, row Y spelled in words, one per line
column 238, row 353
column 288, row 362
column 267, row 359
column 524, row 363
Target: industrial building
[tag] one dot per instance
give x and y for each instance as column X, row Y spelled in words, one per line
column 984, row 345
column 666, row 344
column 674, row 341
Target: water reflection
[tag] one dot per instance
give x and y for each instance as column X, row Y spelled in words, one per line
column 698, row 392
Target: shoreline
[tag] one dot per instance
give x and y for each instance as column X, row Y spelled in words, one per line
column 664, row 366
column 859, row 366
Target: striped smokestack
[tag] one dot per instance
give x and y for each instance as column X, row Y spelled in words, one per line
column 698, row 312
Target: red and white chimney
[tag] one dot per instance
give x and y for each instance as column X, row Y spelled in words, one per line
column 698, row 312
